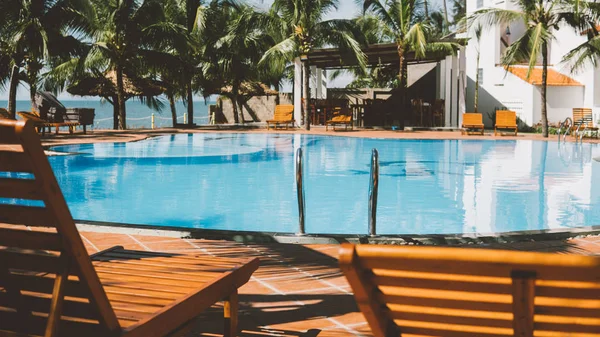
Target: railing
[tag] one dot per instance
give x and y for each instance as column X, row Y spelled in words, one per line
column 567, row 124
column 300, row 191
column 153, row 119
column 373, row 190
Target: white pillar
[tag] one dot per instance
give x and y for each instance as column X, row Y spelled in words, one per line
column 324, row 84
column 319, row 84
column 448, row 89
column 462, row 64
column 314, row 82
column 298, row 91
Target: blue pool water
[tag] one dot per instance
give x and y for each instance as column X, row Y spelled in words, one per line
column 247, row 182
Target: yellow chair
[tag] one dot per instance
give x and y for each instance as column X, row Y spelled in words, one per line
column 582, row 119
column 345, row 120
column 284, row 114
column 469, row 292
column 39, row 122
column 472, row 121
column 51, row 286
column 505, row 119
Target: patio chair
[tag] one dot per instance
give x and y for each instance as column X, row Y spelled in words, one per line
column 284, row 114
column 583, row 121
column 505, row 119
column 469, row 292
column 41, row 123
column 345, row 120
column 50, row 285
column 472, row 121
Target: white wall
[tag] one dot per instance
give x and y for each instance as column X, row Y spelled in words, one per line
column 560, row 100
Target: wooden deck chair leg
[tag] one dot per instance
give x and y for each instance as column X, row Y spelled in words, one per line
column 58, row 294
column 230, row 311
column 523, row 292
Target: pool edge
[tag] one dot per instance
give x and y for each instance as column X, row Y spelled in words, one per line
column 291, row 238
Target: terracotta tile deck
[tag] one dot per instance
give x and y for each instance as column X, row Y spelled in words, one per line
column 298, row 290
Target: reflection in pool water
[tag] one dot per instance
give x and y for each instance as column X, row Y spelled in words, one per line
column 246, row 182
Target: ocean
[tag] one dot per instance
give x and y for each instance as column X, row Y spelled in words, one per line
column 138, row 114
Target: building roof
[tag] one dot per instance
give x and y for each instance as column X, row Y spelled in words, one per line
column 554, row 77
column 384, row 53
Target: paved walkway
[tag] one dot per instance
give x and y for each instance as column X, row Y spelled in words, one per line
column 298, row 291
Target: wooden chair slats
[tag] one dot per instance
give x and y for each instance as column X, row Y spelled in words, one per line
column 48, row 281
column 506, row 119
column 472, row 123
column 30, row 239
column 19, row 189
column 283, row 114
column 27, row 215
column 14, row 161
column 440, row 291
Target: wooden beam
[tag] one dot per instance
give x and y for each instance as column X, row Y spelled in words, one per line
column 523, row 283
column 58, row 295
column 230, row 311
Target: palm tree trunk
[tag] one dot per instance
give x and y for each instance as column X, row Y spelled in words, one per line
column 115, row 104
column 190, row 103
column 476, row 103
column 173, row 108
column 12, row 92
column 403, row 83
column 445, row 16
column 544, row 87
column 121, row 99
column 426, row 9
column 236, row 119
column 32, row 91
column 306, row 95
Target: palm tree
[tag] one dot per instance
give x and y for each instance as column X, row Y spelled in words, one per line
column 402, row 20
column 301, row 27
column 134, row 37
column 541, row 19
column 477, row 31
column 33, row 31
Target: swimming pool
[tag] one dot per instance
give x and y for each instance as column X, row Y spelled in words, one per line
column 247, row 182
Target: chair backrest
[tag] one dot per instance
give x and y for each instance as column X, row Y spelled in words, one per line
column 42, row 256
column 33, row 116
column 472, row 119
column 506, row 117
column 469, row 292
column 583, row 116
column 283, row 112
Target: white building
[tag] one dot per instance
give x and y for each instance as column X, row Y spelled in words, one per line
column 499, row 88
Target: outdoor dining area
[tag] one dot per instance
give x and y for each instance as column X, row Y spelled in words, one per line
column 370, row 112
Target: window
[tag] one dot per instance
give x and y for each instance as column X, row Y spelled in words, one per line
column 479, row 4
column 480, row 76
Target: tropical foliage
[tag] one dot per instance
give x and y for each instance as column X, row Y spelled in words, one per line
column 183, row 48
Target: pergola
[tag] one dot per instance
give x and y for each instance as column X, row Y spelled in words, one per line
column 450, row 71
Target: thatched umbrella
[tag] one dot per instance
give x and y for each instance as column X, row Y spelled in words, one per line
column 106, row 87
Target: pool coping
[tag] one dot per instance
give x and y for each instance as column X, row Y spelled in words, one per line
column 291, row 238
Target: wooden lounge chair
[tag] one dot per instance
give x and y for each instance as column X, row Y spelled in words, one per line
column 583, row 120
column 50, row 287
column 472, row 121
column 42, row 124
column 469, row 292
column 284, row 114
column 345, row 120
column 505, row 119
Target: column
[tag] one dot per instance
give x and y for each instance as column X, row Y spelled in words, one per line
column 298, row 91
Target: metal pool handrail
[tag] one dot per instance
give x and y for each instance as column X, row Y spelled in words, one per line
column 567, row 126
column 300, row 191
column 373, row 189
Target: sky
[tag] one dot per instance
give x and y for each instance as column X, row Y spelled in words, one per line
column 346, row 9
